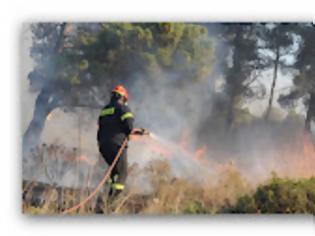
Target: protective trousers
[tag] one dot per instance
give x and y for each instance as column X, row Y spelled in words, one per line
column 119, row 174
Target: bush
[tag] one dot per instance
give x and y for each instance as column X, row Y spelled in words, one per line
column 278, row 196
column 195, row 208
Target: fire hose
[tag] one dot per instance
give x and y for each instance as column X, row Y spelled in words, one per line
column 101, row 183
column 106, row 174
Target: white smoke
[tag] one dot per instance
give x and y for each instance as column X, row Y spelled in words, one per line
column 169, row 104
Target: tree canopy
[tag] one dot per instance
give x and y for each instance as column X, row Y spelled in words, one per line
column 76, row 64
column 95, row 55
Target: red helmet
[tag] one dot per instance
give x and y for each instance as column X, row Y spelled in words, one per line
column 121, row 90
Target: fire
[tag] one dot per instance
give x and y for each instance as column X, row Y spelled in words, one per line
column 169, row 150
column 309, row 148
column 200, row 152
column 49, row 116
column 295, row 158
column 161, row 150
column 87, row 160
column 153, row 146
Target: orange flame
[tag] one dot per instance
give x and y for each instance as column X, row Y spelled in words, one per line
column 200, row 153
column 49, row 116
column 87, row 160
column 293, row 159
column 309, row 148
column 152, row 145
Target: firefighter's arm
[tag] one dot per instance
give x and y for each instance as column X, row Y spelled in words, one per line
column 127, row 119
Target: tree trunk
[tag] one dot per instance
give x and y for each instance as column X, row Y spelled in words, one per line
column 44, row 104
column 230, row 114
column 273, row 85
column 310, row 113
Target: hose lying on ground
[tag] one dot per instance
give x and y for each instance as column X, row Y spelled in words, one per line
column 99, row 186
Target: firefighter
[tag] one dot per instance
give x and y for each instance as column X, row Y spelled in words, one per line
column 115, row 124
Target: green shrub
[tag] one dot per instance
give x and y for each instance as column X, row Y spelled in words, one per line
column 278, row 196
column 195, row 208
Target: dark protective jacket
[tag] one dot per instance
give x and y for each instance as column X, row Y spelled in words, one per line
column 115, row 123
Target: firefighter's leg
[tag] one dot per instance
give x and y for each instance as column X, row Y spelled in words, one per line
column 99, row 205
column 107, row 153
column 113, row 177
column 120, row 174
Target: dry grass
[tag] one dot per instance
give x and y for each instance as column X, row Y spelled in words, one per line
column 168, row 194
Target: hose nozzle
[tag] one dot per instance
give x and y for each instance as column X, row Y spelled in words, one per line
column 140, row 131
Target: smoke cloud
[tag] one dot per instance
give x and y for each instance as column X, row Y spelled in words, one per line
column 177, row 110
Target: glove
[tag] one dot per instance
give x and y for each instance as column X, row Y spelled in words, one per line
column 139, row 131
